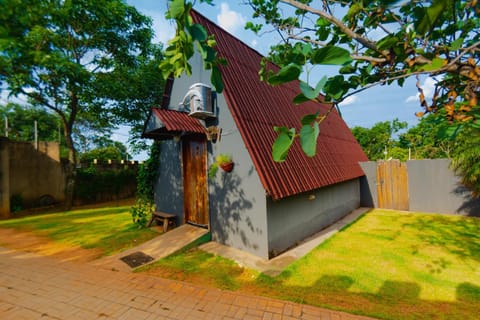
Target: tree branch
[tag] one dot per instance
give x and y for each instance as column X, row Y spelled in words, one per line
column 351, row 34
column 368, row 58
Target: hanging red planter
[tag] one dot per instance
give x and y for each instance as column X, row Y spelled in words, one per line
column 226, row 166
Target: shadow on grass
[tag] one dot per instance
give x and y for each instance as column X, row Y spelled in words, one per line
column 393, row 300
column 460, row 237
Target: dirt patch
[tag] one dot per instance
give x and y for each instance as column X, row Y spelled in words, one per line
column 30, row 242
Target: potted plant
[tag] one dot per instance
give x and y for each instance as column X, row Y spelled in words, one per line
column 223, row 161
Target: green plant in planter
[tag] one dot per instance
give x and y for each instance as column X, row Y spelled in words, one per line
column 223, row 161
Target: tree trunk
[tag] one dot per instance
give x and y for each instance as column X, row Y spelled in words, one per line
column 70, row 168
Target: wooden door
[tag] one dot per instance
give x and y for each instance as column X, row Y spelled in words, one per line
column 392, row 185
column 195, row 181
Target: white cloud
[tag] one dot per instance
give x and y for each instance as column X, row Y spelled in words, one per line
column 254, row 43
column 230, row 20
column 349, row 100
column 428, row 88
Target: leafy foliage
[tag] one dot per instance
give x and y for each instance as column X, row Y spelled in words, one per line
column 436, row 38
column 146, row 179
column 181, row 48
column 95, row 184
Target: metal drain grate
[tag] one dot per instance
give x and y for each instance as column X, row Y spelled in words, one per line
column 136, row 259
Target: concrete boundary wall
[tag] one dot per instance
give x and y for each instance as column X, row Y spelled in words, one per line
column 35, row 175
column 432, row 187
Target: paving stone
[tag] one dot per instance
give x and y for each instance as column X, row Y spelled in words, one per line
column 36, row 287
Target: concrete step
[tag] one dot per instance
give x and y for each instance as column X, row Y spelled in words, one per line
column 157, row 248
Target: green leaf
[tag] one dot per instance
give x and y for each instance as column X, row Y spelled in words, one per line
column 311, row 93
column 457, row 44
column 387, row 42
column 336, row 87
column 288, row 73
column 355, row 8
column 308, row 138
column 254, row 27
column 308, row 119
column 307, row 91
column 430, row 16
column 198, row 32
column 347, row 69
column 331, row 55
column 176, row 9
column 300, row 98
column 282, row 144
column 216, row 79
column 436, row 63
column 322, row 22
column 449, row 131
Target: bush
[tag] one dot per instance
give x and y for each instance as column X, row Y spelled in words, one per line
column 102, row 185
column 146, row 179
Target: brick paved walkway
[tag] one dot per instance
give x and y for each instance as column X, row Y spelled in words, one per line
column 37, row 287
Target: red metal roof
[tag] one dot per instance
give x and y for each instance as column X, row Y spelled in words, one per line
column 178, row 121
column 257, row 107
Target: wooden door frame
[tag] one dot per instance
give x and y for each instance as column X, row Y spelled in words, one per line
column 186, row 144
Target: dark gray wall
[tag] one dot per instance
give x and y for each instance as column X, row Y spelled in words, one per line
column 237, row 199
column 169, row 186
column 293, row 219
column 433, row 187
column 368, row 185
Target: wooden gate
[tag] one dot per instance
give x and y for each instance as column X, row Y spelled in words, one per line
column 195, row 181
column 392, row 185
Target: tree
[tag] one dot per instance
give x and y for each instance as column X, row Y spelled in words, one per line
column 427, row 140
column 64, row 55
column 107, row 150
column 21, row 123
column 380, row 138
column 438, row 38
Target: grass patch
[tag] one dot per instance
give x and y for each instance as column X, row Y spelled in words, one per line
column 109, row 229
column 388, row 264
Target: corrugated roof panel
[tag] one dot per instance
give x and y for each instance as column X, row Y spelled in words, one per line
column 257, row 107
column 178, row 121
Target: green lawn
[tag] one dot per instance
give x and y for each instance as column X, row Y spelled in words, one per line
column 109, row 229
column 387, row 264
